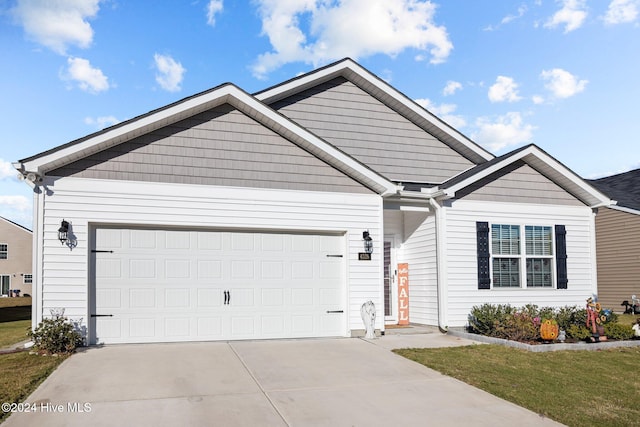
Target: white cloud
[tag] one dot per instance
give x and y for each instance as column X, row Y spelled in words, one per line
column 444, row 112
column 508, row 19
column 214, row 7
column 17, row 209
column 7, row 170
column 57, row 24
column 18, row 203
column 572, row 15
column 88, row 78
column 101, row 122
column 451, row 88
column 318, row 31
column 170, row 73
column 561, row 83
column 504, row 89
column 621, row 11
column 504, row 131
column 537, row 99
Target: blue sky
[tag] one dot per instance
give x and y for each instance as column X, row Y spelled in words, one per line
column 563, row 74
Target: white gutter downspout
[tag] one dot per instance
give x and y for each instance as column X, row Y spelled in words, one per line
column 441, row 283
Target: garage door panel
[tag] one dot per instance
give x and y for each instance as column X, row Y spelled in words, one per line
column 209, row 297
column 168, row 285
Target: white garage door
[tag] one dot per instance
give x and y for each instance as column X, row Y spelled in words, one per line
column 174, row 285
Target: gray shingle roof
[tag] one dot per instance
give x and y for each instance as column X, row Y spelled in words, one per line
column 623, row 187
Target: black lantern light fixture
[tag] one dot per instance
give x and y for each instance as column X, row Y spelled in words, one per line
column 63, row 232
column 368, row 242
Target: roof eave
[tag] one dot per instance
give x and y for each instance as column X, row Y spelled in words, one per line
column 381, row 90
column 549, row 167
column 229, row 93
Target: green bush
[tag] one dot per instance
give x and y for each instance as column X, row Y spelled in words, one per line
column 618, row 331
column 519, row 326
column 578, row 332
column 565, row 316
column 53, row 336
column 484, row 319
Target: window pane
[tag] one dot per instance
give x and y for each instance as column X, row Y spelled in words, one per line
column 539, row 273
column 505, row 239
column 506, row 272
column 538, row 240
column 4, row 248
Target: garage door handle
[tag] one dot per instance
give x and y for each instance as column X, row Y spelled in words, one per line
column 227, row 297
column 335, row 311
column 102, row 315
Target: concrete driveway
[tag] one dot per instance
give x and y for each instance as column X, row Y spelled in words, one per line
column 313, row 382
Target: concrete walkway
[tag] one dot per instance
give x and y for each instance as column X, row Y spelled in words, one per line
column 312, row 382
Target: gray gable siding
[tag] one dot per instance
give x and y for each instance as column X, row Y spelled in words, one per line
column 221, row 146
column 518, row 183
column 373, row 133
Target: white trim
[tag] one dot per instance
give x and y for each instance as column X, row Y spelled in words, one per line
column 37, row 260
column 624, row 209
column 549, row 167
column 225, row 94
column 441, row 264
column 594, row 255
column 376, row 87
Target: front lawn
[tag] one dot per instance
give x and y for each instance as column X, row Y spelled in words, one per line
column 576, row 388
column 13, row 332
column 21, row 373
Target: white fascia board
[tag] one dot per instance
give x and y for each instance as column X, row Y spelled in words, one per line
column 225, row 94
column 542, row 162
column 623, row 209
column 109, row 138
column 393, row 98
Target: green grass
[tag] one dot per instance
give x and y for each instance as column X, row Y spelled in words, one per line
column 21, row 373
column 13, row 332
column 628, row 319
column 576, row 388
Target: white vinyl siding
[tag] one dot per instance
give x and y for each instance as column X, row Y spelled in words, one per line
column 87, row 202
column 461, row 258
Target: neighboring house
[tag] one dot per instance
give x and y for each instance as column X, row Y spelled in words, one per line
column 618, row 239
column 16, row 242
column 234, row 216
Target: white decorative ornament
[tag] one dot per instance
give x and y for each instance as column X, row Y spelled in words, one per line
column 368, row 313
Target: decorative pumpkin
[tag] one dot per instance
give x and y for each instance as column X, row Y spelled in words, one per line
column 549, row 330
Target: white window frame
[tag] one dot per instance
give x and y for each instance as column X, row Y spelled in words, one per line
column 522, row 257
column 24, row 279
column 4, row 251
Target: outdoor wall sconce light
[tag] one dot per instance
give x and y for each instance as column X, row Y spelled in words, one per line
column 368, row 242
column 63, row 232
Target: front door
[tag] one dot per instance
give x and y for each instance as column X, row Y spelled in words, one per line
column 390, row 287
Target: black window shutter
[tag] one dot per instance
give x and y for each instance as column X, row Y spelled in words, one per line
column 561, row 256
column 482, row 231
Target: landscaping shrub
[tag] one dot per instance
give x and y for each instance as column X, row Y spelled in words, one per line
column 578, row 332
column 518, row 326
column 618, row 331
column 566, row 316
column 484, row 319
column 523, row 324
column 56, row 335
